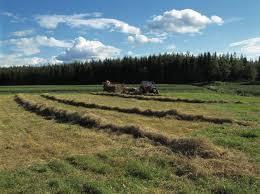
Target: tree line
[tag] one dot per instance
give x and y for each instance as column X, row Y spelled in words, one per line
column 162, row 68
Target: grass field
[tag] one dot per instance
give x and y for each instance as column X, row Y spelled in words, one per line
column 74, row 141
column 242, row 89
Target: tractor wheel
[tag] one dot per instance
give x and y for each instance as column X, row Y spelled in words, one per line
column 155, row 91
column 141, row 90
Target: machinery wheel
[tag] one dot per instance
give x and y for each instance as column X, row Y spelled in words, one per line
column 155, row 91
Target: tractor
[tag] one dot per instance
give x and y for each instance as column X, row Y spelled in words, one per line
column 146, row 87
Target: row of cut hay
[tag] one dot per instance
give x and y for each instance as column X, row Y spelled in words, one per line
column 163, row 99
column 147, row 112
column 186, row 146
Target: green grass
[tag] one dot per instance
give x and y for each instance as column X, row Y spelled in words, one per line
column 42, row 155
column 242, row 89
column 129, row 173
column 49, row 88
column 164, row 88
column 245, row 140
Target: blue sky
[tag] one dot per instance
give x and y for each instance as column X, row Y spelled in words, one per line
column 48, row 31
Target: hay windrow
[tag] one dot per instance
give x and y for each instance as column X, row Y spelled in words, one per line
column 195, row 146
column 147, row 112
column 186, row 146
column 164, row 99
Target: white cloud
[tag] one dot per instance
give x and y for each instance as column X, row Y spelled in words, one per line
column 131, row 39
column 80, row 20
column 129, row 53
column 249, row 46
column 15, row 18
column 78, row 50
column 139, row 38
column 39, row 61
column 52, row 21
column 9, row 14
column 182, row 21
column 217, row 20
column 19, row 60
column 22, row 33
column 30, row 46
column 86, row 49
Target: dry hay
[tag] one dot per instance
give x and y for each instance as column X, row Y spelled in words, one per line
column 147, row 112
column 164, row 99
column 185, row 146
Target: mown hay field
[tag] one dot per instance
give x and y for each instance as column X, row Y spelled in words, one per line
column 74, row 139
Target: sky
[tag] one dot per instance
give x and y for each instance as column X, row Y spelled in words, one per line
column 61, row 31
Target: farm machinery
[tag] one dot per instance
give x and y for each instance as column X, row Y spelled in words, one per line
column 146, row 87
